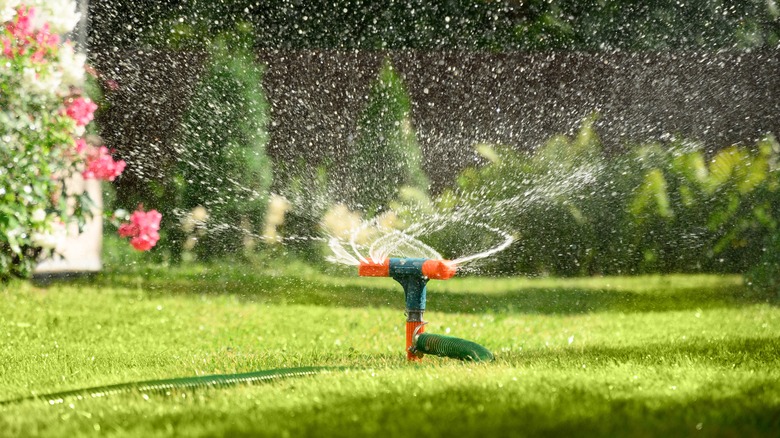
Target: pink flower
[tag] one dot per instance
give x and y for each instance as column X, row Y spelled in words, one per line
column 145, row 242
column 22, row 26
column 81, row 145
column 128, row 230
column 142, row 229
column 81, row 110
column 47, row 39
column 100, row 164
column 8, row 49
column 37, row 57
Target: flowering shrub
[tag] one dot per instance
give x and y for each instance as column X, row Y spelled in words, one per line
column 100, row 165
column 42, row 124
column 81, row 110
column 142, row 229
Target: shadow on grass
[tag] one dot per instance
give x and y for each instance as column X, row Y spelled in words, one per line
column 576, row 411
column 475, row 411
column 552, row 300
column 533, row 408
column 735, row 353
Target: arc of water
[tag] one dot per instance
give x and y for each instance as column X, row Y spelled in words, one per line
column 498, row 248
column 425, row 250
column 392, row 241
column 223, row 227
column 341, row 255
column 353, row 240
column 382, row 247
column 379, row 246
column 375, row 250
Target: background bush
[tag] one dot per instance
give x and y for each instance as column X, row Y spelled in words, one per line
column 382, row 171
column 574, row 209
column 655, row 209
column 310, row 193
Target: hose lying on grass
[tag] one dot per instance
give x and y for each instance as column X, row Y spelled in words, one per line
column 427, row 343
column 412, row 273
column 164, row 386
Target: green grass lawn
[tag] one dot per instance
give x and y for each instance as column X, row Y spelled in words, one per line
column 646, row 356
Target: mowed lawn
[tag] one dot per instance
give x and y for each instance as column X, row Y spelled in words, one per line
column 643, row 356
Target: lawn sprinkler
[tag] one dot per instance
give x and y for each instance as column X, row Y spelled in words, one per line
column 413, row 274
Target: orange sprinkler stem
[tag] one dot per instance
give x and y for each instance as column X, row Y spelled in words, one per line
column 411, row 326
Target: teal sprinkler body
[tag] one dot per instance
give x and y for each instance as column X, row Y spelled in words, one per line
column 413, row 275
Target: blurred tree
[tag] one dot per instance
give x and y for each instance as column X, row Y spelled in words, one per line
column 766, row 273
column 690, row 214
column 223, row 165
column 386, row 155
column 548, row 199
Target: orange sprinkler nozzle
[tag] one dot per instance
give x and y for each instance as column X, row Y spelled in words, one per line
column 370, row 269
column 439, row 269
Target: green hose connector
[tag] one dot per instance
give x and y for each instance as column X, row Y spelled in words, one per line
column 452, row 347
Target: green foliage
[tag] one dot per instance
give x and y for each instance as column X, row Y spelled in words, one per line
column 657, row 208
column 223, row 165
column 535, row 25
column 712, row 219
column 33, row 197
column 543, row 198
column 766, row 274
column 638, row 25
column 386, row 155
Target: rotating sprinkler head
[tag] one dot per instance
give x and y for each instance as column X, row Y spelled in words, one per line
column 413, row 274
column 425, row 268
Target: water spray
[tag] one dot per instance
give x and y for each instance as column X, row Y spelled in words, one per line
column 413, row 275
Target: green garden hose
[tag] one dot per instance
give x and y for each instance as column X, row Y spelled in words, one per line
column 426, row 343
column 165, row 386
column 452, row 347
